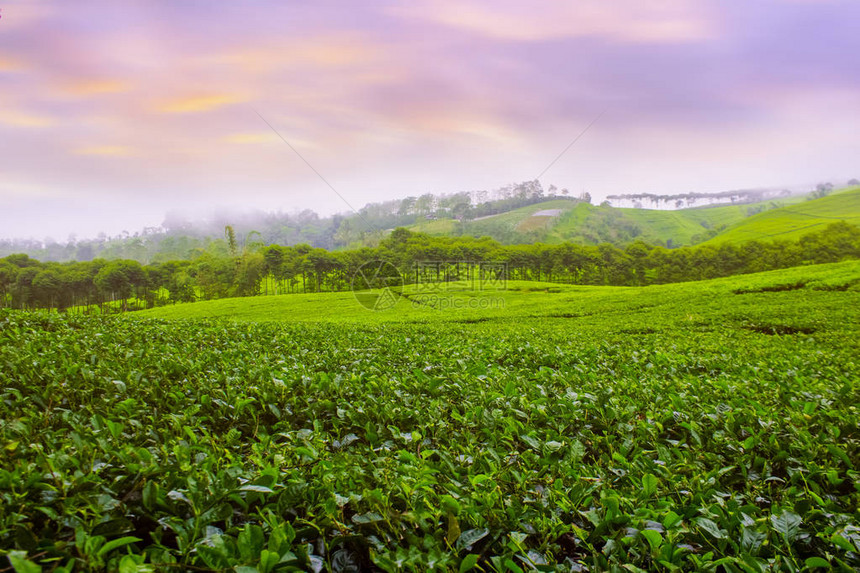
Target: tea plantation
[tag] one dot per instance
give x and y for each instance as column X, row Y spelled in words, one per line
column 708, row 426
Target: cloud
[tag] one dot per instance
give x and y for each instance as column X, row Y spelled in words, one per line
column 23, row 191
column 97, row 87
column 199, row 104
column 321, row 51
column 116, row 150
column 247, row 138
column 467, row 125
column 10, row 64
column 669, row 21
column 23, row 15
column 24, row 119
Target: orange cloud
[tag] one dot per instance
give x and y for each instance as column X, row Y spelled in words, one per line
column 198, row 104
column 23, row 119
column 325, row 51
column 96, row 87
column 10, row 65
column 456, row 124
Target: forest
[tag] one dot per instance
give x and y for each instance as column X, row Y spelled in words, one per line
column 252, row 269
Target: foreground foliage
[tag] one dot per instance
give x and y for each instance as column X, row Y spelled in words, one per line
column 661, row 433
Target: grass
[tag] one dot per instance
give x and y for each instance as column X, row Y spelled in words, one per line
column 520, row 299
column 436, row 227
column 516, row 222
column 794, row 221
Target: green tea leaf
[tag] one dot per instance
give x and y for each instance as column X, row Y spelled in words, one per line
column 654, row 538
column 470, row 537
column 816, row 563
column 711, row 528
column 649, row 484
column 20, row 563
column 787, row 524
column 468, row 563
column 116, row 543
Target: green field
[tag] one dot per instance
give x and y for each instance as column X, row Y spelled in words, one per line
column 518, row 299
column 792, row 222
column 707, row 426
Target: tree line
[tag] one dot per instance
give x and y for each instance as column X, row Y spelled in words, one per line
column 251, row 269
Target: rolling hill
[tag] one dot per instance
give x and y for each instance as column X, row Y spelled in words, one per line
column 565, row 220
column 794, row 221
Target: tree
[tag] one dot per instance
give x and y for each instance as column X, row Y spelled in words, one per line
column 638, row 252
column 836, row 242
column 8, row 274
column 21, row 261
column 398, row 237
column 821, row 190
column 175, row 277
column 112, row 280
column 249, row 274
column 84, row 252
column 23, row 293
column 407, row 206
column 47, row 289
column 121, row 279
column 214, row 275
column 230, row 235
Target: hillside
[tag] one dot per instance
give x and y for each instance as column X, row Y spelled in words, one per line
column 563, row 220
column 792, row 222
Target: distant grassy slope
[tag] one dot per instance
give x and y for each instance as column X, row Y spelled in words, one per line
column 516, row 226
column 681, row 227
column 436, row 227
column 796, row 220
column 519, row 224
column 590, row 224
column 526, row 300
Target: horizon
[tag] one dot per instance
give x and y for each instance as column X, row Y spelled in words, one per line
column 206, row 225
column 112, row 116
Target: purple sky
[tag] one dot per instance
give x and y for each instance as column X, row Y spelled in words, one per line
column 113, row 113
